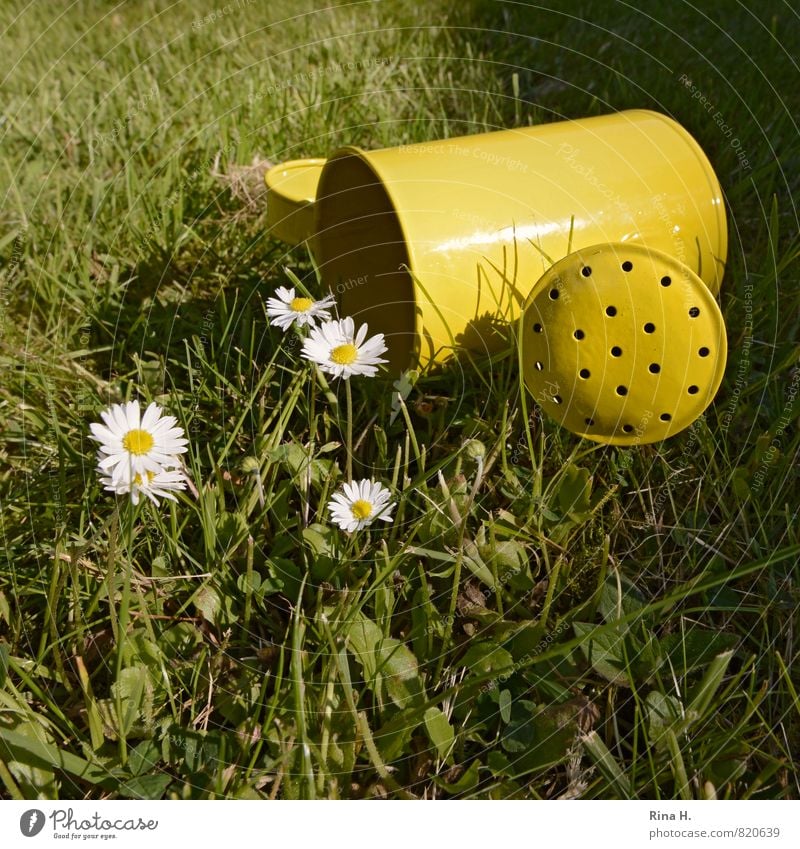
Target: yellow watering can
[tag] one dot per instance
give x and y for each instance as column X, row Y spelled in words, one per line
column 444, row 244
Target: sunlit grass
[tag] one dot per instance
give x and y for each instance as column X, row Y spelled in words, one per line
column 544, row 617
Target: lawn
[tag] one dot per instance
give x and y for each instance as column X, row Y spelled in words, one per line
column 545, row 617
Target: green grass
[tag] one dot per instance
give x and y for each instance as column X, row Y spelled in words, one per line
column 546, row 616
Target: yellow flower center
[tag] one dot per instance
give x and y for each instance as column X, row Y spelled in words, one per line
column 138, row 478
column 137, row 441
column 361, row 509
column 301, row 304
column 344, row 355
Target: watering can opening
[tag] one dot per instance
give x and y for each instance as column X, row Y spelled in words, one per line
column 362, row 253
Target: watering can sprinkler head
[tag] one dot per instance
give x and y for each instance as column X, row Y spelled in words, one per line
column 622, row 345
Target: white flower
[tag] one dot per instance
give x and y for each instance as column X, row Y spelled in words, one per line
column 287, row 309
column 132, row 445
column 359, row 504
column 154, row 486
column 339, row 351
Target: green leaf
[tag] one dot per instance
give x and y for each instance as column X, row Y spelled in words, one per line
column 604, row 760
column 619, row 600
column 504, row 703
column 439, row 731
column 603, row 651
column 35, row 780
column 663, row 712
column 40, row 754
column 143, row 757
column 485, row 657
column 474, row 562
column 402, row 386
column 468, row 781
column 286, row 574
column 179, row 640
column 508, row 559
column 130, row 688
column 5, row 610
column 539, row 735
column 704, row 694
column 393, row 738
column 208, row 602
column 248, row 583
column 4, row 653
column 574, row 492
column 231, row 530
column 385, row 660
column 145, row 786
column 318, row 539
column 695, row 648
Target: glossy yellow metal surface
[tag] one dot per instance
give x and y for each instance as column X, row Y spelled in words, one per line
column 622, row 345
column 439, row 245
column 291, row 192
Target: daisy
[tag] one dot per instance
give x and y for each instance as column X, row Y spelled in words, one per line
column 287, row 309
column 153, row 485
column 359, row 504
column 339, row 351
column 132, row 444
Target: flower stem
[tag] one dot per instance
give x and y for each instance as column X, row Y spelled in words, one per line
column 349, row 394
column 123, row 619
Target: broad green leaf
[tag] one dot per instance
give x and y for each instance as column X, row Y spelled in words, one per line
column 603, row 651
column 539, row 735
column 41, row 754
column 386, row 660
column 143, row 757
column 136, row 701
column 619, row 600
column 4, row 653
column 663, row 711
column 604, row 760
column 35, row 780
column 704, row 694
column 5, row 610
column 468, row 781
column 318, row 538
column 208, row 602
column 508, row 559
column 248, row 583
column 504, row 703
column 486, row 656
column 393, row 738
column 439, row 731
column 574, row 492
column 145, row 786
column 695, row 648
column 474, row 562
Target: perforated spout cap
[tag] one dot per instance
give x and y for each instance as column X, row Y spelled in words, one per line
column 622, row 345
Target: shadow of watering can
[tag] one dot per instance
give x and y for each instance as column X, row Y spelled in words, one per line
column 568, row 230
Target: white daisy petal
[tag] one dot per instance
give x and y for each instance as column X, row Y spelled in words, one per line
column 359, row 504
column 341, row 352
column 102, row 433
column 132, row 414
column 119, row 418
column 150, row 417
column 288, row 308
column 139, row 453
